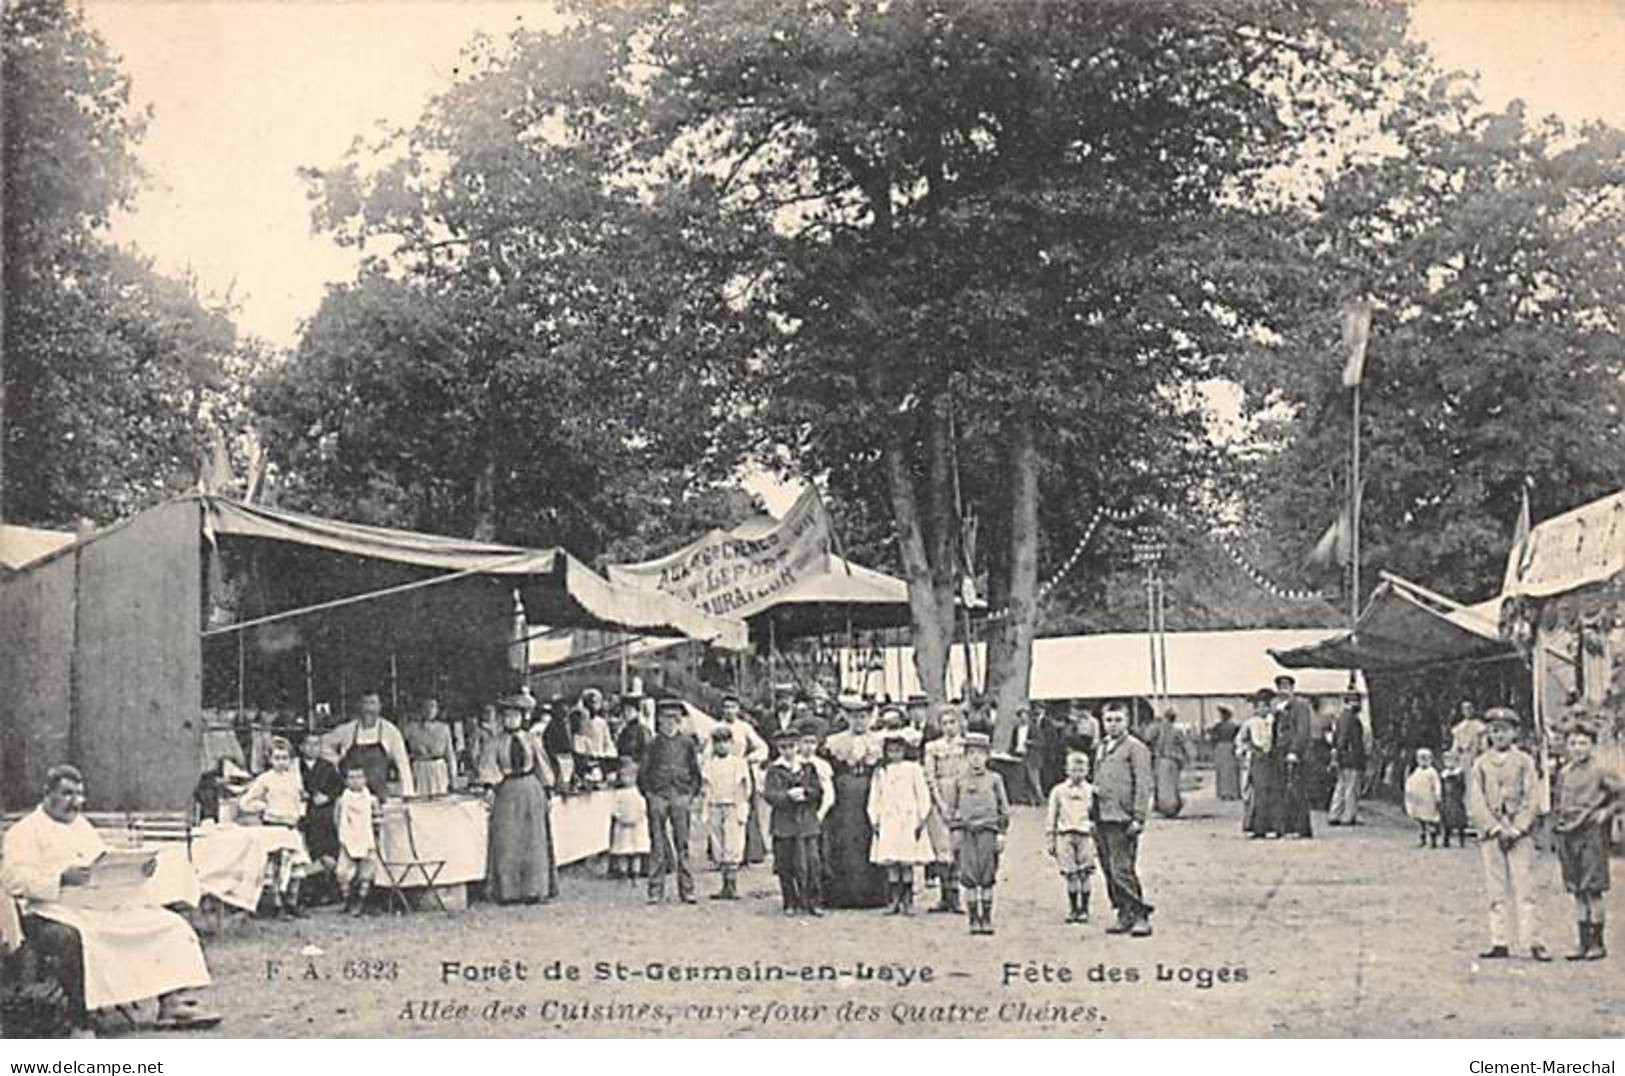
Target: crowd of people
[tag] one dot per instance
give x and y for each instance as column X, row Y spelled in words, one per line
column 854, row 804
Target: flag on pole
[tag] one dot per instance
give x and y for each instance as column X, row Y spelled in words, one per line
column 1356, row 334
column 1336, row 545
column 1520, row 544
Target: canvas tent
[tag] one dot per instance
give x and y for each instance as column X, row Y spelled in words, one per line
column 1405, row 627
column 20, row 546
column 1206, row 669
column 113, row 649
column 1564, row 606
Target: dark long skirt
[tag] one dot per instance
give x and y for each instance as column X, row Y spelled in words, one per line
column 1226, row 772
column 851, row 880
column 519, row 851
column 1296, row 793
column 1169, row 800
column 1266, row 791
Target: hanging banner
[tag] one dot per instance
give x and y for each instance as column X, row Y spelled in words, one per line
column 727, row 574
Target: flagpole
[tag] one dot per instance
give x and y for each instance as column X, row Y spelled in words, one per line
column 1354, row 511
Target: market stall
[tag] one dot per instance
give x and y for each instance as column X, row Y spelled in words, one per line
column 124, row 649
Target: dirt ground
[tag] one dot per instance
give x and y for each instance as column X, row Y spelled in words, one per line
column 1355, row 933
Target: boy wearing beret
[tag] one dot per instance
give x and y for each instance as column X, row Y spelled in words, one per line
column 978, row 813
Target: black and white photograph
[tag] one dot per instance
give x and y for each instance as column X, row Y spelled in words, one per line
column 812, row 519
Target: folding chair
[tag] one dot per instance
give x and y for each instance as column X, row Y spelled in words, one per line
column 417, row 871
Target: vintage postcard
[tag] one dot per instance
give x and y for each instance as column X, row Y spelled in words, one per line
column 792, row 519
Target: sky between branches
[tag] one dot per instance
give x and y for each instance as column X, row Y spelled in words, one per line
column 245, row 93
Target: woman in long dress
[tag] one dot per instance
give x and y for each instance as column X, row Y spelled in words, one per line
column 1169, row 756
column 1261, row 815
column 1226, row 770
column 519, row 854
column 852, row 881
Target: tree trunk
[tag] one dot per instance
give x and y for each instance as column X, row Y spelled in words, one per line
column 933, row 632
column 485, row 503
column 1010, row 649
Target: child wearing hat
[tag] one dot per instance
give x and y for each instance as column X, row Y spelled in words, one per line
column 669, row 776
column 725, row 778
column 795, row 792
column 1503, row 799
column 899, row 804
column 978, row 817
column 1586, row 797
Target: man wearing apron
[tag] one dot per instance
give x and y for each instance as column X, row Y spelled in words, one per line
column 375, row 745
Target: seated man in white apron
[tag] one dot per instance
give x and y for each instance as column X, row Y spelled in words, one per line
column 107, row 955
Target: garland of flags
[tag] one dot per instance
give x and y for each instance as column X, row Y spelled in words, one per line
column 1260, row 580
column 1104, row 515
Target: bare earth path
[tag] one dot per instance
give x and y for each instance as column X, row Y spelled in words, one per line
column 1355, row 933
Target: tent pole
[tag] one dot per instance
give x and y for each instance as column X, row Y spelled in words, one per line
column 394, row 686
column 310, row 687
column 241, row 663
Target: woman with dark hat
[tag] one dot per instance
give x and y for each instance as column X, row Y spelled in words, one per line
column 520, row 864
column 852, row 880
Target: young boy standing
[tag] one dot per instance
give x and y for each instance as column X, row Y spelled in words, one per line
column 1071, row 833
column 1503, row 797
column 793, row 789
column 669, row 778
column 1123, row 784
column 726, row 780
column 1586, row 796
column 978, row 817
column 355, row 816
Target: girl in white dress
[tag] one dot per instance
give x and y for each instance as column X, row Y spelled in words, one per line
column 628, row 825
column 899, row 804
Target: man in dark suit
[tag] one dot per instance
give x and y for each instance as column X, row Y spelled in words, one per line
column 1348, row 751
column 1294, row 721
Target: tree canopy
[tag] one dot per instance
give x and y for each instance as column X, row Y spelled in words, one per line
column 109, row 366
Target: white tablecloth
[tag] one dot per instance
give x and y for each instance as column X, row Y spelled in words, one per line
column 580, row 825
column 452, row 829
column 455, row 828
column 230, row 860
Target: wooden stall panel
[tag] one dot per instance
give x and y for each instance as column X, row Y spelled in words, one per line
column 36, row 650
column 140, row 668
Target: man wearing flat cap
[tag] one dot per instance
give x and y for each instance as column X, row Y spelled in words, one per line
column 1503, row 800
